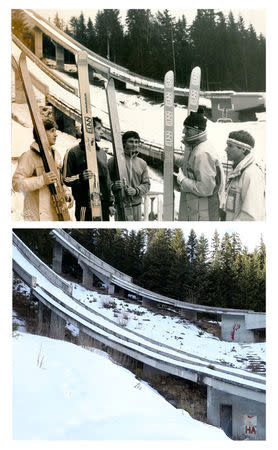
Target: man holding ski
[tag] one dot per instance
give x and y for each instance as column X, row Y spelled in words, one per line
column 245, row 191
column 138, row 182
column 31, row 178
column 76, row 175
column 201, row 176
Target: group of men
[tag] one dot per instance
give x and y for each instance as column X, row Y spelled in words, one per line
column 205, row 193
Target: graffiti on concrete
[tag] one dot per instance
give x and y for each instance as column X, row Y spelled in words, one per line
column 235, row 328
column 249, row 425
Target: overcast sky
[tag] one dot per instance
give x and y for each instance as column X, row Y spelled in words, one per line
column 254, row 16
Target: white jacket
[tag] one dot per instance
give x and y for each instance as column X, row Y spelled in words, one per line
column 245, row 192
column 203, row 184
column 28, row 179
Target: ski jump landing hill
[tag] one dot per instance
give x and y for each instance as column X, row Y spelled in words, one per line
column 243, row 391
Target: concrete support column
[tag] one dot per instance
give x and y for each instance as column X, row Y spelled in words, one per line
column 38, row 43
column 233, row 329
column 87, row 277
column 111, row 289
column 57, row 257
column 122, row 292
column 146, row 301
column 43, row 322
column 60, row 57
column 57, row 327
column 188, row 314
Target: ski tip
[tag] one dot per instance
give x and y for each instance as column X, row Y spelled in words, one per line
column 169, row 74
column 22, row 57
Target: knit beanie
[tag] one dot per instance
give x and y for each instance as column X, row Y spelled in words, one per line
column 196, row 120
column 242, row 137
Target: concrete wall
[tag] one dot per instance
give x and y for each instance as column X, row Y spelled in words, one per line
column 233, row 329
column 242, row 426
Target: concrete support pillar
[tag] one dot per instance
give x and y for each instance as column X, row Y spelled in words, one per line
column 38, row 43
column 122, row 292
column 233, row 329
column 43, row 320
column 87, row 277
column 188, row 314
column 111, row 289
column 57, row 257
column 146, row 301
column 57, row 327
column 60, row 57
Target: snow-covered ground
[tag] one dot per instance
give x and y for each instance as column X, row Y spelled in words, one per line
column 65, row 392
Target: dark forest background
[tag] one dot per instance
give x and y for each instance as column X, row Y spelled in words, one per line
column 219, row 272
column 230, row 54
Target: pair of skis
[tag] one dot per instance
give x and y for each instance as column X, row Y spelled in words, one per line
column 124, row 206
column 193, row 103
column 56, row 189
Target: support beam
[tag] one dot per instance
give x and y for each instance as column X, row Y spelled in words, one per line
column 111, row 289
column 57, row 327
column 57, row 257
column 38, row 43
column 233, row 329
column 87, row 276
column 188, row 314
column 60, row 57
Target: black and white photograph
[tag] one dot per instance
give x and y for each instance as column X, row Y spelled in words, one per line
column 140, row 326
column 168, row 124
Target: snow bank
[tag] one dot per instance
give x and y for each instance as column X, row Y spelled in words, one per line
column 64, row 392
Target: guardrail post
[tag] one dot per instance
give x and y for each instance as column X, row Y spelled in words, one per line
column 60, row 57
column 57, row 257
column 38, row 43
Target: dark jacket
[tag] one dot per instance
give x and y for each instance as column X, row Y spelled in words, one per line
column 74, row 165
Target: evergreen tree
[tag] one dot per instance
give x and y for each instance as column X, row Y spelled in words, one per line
column 178, row 283
column 201, row 280
column 109, row 34
column 156, row 262
column 91, row 36
column 138, row 40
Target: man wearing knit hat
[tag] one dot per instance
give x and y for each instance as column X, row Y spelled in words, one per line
column 201, row 176
column 245, row 191
column 138, row 182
